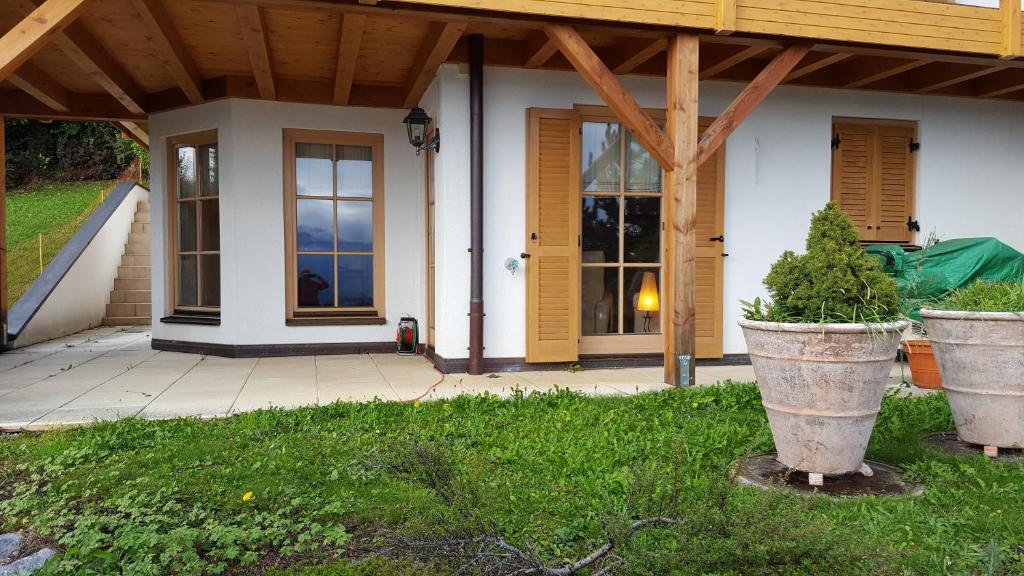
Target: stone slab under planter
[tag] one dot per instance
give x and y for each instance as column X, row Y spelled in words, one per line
column 765, row 472
column 949, row 443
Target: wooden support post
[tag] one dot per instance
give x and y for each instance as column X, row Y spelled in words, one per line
column 1010, row 13
column 679, row 276
column 725, row 16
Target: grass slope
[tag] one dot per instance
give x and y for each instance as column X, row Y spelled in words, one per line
column 56, row 211
column 556, row 470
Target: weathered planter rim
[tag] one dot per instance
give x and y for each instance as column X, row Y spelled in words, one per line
column 826, row 328
column 965, row 315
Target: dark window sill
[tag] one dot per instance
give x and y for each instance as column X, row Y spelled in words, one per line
column 194, row 319
column 336, row 321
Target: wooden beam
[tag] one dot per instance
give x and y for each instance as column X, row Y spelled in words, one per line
column 441, row 38
column 721, row 66
column 996, row 85
column 136, row 132
column 538, row 49
column 17, row 104
column 875, row 72
column 811, row 67
column 608, row 87
column 925, row 83
column 40, row 86
column 254, row 33
column 749, row 99
column 1010, row 16
column 680, row 271
column 170, row 48
column 34, row 31
column 630, row 53
column 349, row 40
column 725, row 16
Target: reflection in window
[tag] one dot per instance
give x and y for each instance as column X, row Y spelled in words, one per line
column 601, row 156
column 196, row 215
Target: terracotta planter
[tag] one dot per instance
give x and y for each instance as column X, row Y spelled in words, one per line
column 822, row 387
column 981, row 357
column 923, row 368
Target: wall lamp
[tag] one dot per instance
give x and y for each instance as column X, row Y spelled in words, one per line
column 417, row 122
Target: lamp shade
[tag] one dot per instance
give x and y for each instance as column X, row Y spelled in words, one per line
column 648, row 301
column 416, row 123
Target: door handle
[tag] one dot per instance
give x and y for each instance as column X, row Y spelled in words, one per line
column 719, row 238
column 524, row 255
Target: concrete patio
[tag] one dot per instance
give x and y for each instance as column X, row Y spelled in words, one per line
column 107, row 373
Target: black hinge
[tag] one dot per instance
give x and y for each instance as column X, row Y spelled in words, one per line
column 914, row 146
column 912, row 224
column 836, row 141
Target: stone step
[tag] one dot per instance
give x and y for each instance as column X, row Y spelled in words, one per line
column 126, row 321
column 142, row 217
column 131, row 296
column 138, row 238
column 135, row 260
column 136, row 248
column 122, row 310
column 133, row 272
column 132, row 284
column 141, row 227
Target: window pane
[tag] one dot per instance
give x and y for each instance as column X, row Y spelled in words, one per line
column 186, row 226
column 355, row 171
column 599, row 301
column 601, row 151
column 600, row 229
column 641, row 313
column 642, row 241
column 209, row 267
column 355, row 226
column 208, row 171
column 316, row 275
column 209, row 232
column 355, row 280
column 313, row 176
column 315, row 225
column 186, row 172
column 643, row 173
column 188, row 286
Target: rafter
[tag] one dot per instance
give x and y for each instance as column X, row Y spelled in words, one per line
column 630, row 53
column 749, row 99
column 538, row 49
column 441, row 38
column 996, row 85
column 924, row 83
column 171, row 48
column 18, row 104
column 250, row 20
column 136, row 131
column 349, row 40
column 608, row 87
column 20, row 43
column 41, row 86
column 819, row 64
column 722, row 65
column 864, row 75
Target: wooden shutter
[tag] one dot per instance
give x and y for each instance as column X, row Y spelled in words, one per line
column 853, row 175
column 552, row 237
column 894, row 202
column 873, row 178
column 709, row 259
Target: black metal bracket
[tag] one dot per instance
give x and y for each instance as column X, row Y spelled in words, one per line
column 914, row 146
column 912, row 224
column 836, row 141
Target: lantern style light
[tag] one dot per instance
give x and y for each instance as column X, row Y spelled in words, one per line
column 648, row 300
column 417, row 123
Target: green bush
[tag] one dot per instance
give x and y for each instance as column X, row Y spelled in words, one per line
column 834, row 281
column 987, row 297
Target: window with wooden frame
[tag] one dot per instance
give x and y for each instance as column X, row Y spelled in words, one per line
column 873, row 176
column 334, row 214
column 194, row 224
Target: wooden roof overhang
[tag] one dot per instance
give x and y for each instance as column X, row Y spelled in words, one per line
column 121, row 60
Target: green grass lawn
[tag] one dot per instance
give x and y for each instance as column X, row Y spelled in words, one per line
column 56, row 211
column 331, row 487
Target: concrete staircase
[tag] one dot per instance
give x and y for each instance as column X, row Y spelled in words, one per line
column 130, row 301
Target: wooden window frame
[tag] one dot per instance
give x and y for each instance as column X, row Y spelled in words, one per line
column 193, row 139
column 334, row 315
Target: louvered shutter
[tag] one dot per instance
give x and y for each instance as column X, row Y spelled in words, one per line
column 710, row 224
column 853, row 181
column 553, row 269
column 893, row 204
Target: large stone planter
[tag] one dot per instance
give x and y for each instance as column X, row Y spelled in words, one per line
column 981, row 357
column 822, row 386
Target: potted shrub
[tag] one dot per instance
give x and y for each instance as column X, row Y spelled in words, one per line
column 822, row 347
column 978, row 337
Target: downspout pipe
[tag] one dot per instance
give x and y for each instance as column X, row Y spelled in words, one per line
column 476, row 204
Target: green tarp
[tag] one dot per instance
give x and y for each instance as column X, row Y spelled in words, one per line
column 929, row 274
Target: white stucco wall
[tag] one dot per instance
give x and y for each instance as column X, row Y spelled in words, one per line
column 250, row 135
column 778, row 164
column 79, row 301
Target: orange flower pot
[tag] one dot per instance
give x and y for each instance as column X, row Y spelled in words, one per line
column 923, row 368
